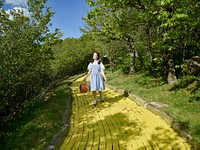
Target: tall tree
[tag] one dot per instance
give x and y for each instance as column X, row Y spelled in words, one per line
column 25, row 54
column 175, row 26
column 113, row 20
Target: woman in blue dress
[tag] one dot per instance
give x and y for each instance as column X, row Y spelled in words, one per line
column 96, row 72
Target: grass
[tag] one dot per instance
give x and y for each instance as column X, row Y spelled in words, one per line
column 38, row 125
column 156, row 90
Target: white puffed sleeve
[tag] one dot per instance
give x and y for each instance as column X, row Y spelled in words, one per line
column 89, row 68
column 102, row 66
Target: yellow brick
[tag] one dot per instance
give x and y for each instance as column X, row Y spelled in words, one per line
column 119, row 123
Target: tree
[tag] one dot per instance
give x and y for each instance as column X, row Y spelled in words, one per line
column 73, row 55
column 165, row 27
column 113, row 20
column 174, row 41
column 25, row 53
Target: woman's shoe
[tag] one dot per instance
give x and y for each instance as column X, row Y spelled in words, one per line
column 102, row 101
column 94, row 105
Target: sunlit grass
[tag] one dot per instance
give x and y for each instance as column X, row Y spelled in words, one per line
column 156, row 90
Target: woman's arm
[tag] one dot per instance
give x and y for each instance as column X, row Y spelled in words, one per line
column 103, row 74
column 88, row 73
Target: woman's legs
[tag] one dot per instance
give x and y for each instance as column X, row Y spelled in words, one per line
column 100, row 93
column 95, row 94
column 95, row 97
column 101, row 96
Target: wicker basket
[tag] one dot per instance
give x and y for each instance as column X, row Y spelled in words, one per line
column 83, row 88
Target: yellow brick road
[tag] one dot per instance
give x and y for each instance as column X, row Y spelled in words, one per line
column 118, row 124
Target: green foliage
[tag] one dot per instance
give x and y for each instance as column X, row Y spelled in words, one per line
column 190, row 83
column 175, row 28
column 116, row 52
column 25, row 53
column 33, row 57
column 73, row 55
column 167, row 30
column 125, row 66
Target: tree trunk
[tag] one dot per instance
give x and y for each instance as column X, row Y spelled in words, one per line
column 132, row 61
column 148, row 31
column 130, row 42
column 171, row 73
column 111, row 65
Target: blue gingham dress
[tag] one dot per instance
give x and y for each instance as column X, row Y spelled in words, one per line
column 96, row 79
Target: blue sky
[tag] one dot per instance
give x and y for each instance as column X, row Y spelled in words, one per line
column 67, row 17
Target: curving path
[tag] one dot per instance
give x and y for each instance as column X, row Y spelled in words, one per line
column 118, row 124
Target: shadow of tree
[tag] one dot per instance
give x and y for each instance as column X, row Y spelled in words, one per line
column 164, row 139
column 114, row 99
column 112, row 132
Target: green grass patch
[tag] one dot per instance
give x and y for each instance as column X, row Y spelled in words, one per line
column 37, row 126
column 179, row 102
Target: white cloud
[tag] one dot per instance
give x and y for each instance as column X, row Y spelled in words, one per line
column 24, row 10
column 16, row 2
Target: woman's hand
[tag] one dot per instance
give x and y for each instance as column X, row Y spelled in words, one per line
column 86, row 76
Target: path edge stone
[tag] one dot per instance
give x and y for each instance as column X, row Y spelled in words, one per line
column 177, row 126
column 59, row 138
